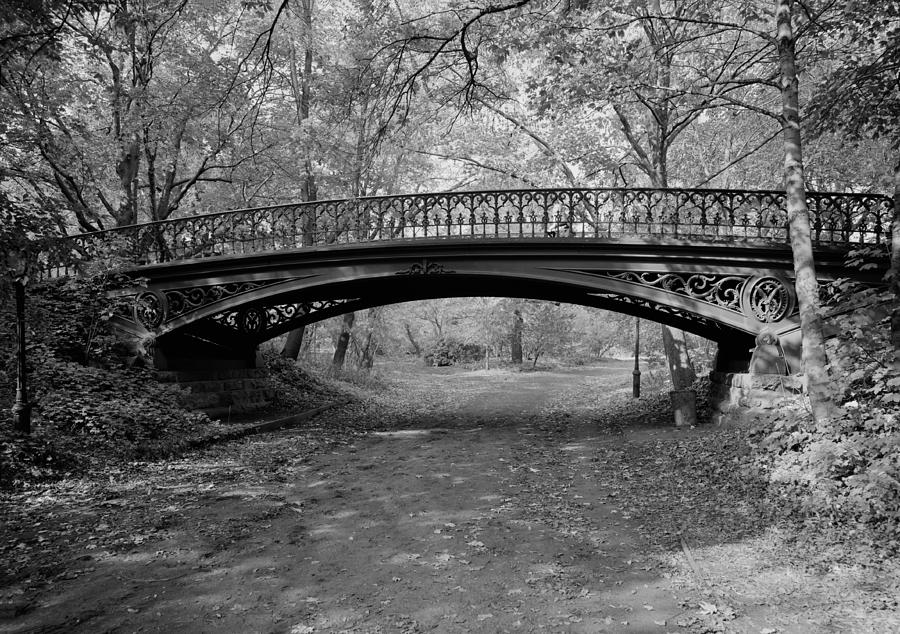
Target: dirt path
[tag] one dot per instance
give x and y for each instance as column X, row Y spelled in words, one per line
column 482, row 502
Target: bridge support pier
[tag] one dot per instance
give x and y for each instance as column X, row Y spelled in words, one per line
column 740, row 381
column 190, row 351
column 733, row 355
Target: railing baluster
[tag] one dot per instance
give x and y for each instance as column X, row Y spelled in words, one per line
column 496, row 218
column 723, row 215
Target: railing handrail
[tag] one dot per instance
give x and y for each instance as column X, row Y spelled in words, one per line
column 731, row 215
column 324, row 201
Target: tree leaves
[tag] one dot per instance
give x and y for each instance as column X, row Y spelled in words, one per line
column 846, row 473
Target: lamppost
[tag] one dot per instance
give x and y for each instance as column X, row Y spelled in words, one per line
column 17, row 263
column 636, row 373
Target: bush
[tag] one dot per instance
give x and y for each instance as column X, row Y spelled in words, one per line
column 111, row 406
column 88, row 407
column 845, row 474
column 453, row 352
column 294, row 387
column 88, row 415
column 32, row 457
column 71, row 317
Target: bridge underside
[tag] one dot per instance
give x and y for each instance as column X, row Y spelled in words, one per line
column 216, row 311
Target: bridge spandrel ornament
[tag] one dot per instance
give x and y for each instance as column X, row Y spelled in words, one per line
column 154, row 308
column 259, row 320
column 251, row 321
column 616, row 298
column 425, row 267
column 184, row 300
column 719, row 290
column 149, row 309
column 768, row 299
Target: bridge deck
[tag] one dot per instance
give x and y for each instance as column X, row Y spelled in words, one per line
column 729, row 216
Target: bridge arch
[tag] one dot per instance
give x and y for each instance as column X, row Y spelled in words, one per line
column 223, row 307
column 713, row 262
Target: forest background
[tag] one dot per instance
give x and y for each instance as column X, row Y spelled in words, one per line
column 130, row 111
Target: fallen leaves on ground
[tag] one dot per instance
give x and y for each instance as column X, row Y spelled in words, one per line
column 684, row 495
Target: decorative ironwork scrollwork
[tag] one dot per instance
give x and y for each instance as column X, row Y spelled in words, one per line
column 660, row 308
column 257, row 320
column 425, row 268
column 720, row 290
column 741, row 216
column 251, row 321
column 149, row 310
column 769, row 300
column 184, row 300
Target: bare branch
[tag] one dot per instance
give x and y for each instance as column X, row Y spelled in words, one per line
column 544, row 146
column 740, row 158
column 491, row 168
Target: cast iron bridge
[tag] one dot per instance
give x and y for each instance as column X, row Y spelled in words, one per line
column 714, row 262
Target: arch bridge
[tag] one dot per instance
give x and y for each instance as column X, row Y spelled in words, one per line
column 716, row 263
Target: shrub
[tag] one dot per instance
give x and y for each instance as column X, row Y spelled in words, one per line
column 448, row 351
column 71, row 317
column 845, row 474
column 294, row 387
column 32, row 457
column 88, row 407
column 112, row 406
column 85, row 415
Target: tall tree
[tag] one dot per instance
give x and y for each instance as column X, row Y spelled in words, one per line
column 515, row 338
column 342, row 342
column 806, row 283
column 301, row 80
column 867, row 35
column 144, row 105
column 547, row 328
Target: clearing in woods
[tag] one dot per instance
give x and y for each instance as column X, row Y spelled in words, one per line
column 445, row 500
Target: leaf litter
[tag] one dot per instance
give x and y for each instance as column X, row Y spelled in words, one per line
column 572, row 521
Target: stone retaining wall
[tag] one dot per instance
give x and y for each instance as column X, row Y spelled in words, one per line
column 221, row 393
column 733, row 390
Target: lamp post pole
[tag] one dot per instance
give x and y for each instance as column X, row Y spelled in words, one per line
column 636, row 373
column 22, row 408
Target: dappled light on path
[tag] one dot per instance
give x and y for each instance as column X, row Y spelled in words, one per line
column 507, row 503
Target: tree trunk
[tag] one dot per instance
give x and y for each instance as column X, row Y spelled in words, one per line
column 812, row 339
column 683, row 398
column 636, row 373
column 293, row 343
column 515, row 344
column 417, row 349
column 308, row 191
column 367, row 357
column 309, row 179
column 659, row 121
column 681, row 369
column 895, row 266
column 127, row 170
column 340, row 348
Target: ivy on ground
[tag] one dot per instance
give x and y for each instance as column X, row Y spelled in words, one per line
column 90, row 407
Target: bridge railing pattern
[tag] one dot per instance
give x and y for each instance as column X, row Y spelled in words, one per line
column 687, row 214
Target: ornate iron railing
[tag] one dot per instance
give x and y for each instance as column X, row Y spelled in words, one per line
column 686, row 214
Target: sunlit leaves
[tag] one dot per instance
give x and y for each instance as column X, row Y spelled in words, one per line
column 867, row 57
column 846, row 470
